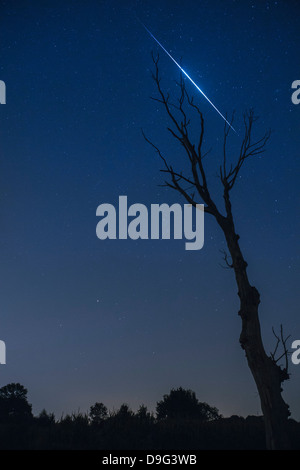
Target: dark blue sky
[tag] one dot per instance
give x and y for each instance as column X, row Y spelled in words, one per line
column 124, row 321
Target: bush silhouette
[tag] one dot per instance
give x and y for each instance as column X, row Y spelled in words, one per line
column 183, row 404
column 98, row 413
column 14, row 406
column 45, row 419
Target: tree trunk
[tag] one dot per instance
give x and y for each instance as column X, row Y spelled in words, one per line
column 267, row 374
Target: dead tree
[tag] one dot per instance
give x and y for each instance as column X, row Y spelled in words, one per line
column 266, row 371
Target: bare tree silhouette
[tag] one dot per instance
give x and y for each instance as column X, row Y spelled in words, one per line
column 266, row 371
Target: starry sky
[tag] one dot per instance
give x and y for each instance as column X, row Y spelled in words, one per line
column 119, row 321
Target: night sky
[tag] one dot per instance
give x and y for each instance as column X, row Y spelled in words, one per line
column 86, row 320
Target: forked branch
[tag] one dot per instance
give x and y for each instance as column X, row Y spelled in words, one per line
column 280, row 340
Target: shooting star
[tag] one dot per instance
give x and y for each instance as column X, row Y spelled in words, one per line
column 184, row 72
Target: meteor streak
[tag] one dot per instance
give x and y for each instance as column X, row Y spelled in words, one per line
column 184, row 72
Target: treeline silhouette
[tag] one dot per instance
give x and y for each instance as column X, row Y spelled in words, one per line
column 181, row 422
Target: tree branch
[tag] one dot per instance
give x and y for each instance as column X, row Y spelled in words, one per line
column 229, row 265
column 281, row 340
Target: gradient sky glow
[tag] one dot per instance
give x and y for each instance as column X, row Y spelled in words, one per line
column 124, row 321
